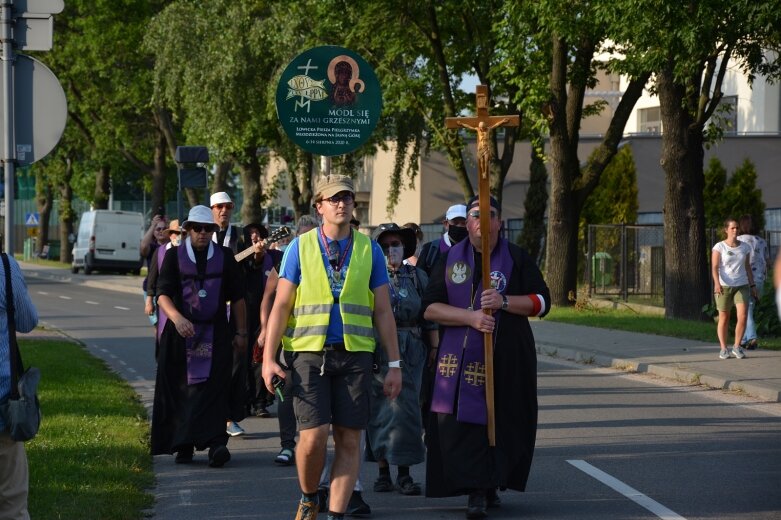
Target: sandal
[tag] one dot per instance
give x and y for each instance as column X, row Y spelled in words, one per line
column 383, row 484
column 286, row 457
column 406, row 486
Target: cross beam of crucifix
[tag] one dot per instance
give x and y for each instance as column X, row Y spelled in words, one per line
column 483, row 123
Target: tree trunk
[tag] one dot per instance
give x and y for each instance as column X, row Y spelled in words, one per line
column 221, row 171
column 44, row 201
column 158, row 172
column 300, row 176
column 250, row 182
column 102, row 187
column 686, row 279
column 67, row 215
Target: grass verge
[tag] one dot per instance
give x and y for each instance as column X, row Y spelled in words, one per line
column 632, row 321
column 91, row 457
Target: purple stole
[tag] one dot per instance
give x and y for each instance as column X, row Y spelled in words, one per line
column 200, row 301
column 461, row 365
column 162, row 318
column 443, row 247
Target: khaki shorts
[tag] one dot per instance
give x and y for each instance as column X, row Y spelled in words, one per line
column 731, row 296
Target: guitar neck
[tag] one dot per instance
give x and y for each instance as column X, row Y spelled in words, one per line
column 244, row 254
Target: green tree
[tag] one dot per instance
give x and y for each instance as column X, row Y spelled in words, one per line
column 535, row 203
column 568, row 36
column 742, row 195
column 614, row 200
column 714, row 199
column 690, row 46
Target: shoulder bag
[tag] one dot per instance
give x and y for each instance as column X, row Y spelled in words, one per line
column 22, row 411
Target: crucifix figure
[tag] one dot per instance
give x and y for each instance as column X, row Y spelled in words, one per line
column 483, row 123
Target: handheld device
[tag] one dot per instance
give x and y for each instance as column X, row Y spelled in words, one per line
column 279, row 384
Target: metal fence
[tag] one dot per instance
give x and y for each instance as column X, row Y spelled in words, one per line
column 628, row 260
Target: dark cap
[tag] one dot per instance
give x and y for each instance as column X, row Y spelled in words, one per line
column 474, row 201
column 407, row 236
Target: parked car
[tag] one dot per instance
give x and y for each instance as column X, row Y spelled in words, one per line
column 108, row 241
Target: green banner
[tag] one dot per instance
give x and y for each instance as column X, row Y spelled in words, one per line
column 329, row 100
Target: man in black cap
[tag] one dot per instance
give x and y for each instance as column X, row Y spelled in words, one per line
column 460, row 460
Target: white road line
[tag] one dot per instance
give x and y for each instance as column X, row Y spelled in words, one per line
column 131, row 370
column 65, row 297
column 103, row 350
column 112, row 356
column 185, row 497
column 121, row 308
column 122, row 363
column 632, row 494
column 91, row 302
column 44, row 293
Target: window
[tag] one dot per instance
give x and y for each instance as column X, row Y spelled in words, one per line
column 649, row 120
column 726, row 115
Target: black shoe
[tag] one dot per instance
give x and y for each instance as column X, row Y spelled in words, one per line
column 185, row 455
column 476, row 505
column 322, row 499
column 218, row 456
column 492, row 498
column 406, row 486
column 356, row 506
column 260, row 411
column 383, row 484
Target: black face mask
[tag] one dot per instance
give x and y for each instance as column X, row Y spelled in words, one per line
column 457, row 233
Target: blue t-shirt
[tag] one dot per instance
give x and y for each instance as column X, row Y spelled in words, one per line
column 291, row 271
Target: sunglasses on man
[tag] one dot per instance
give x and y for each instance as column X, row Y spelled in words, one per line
column 200, row 228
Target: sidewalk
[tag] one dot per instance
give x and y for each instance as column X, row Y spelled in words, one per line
column 758, row 375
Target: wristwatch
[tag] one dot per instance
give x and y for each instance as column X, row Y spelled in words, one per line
column 505, row 302
column 394, row 364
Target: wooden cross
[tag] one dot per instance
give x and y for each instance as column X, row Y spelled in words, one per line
column 483, row 123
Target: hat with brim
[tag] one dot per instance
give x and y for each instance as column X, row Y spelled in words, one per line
column 173, row 227
column 220, row 198
column 455, row 211
column 262, row 231
column 200, row 215
column 330, row 185
column 407, row 236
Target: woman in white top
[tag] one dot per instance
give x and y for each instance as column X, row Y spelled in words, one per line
column 759, row 259
column 733, row 283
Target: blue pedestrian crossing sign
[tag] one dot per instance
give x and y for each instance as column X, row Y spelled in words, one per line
column 31, row 219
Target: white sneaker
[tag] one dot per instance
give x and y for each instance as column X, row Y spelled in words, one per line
column 738, row 352
column 724, row 354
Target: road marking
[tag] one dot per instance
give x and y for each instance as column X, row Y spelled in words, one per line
column 44, row 293
column 65, row 297
column 92, row 303
column 185, row 497
column 122, row 363
column 629, row 492
column 121, row 308
column 112, row 356
column 103, row 350
column 131, row 370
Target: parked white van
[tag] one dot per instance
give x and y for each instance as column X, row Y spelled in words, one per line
column 109, row 241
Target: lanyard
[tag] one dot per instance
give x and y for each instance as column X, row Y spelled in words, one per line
column 336, row 265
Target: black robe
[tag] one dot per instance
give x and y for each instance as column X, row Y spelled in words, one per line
column 193, row 415
column 459, row 459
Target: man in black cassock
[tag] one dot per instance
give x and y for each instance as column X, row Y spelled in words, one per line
column 196, row 347
column 460, row 461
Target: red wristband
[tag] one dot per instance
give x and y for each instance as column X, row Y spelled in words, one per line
column 536, row 304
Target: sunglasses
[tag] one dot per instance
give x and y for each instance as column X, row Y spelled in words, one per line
column 200, row 228
column 223, row 206
column 392, row 243
column 476, row 214
column 347, row 198
column 160, row 229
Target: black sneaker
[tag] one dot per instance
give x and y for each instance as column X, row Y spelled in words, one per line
column 356, row 506
column 492, row 499
column 476, row 505
column 185, row 455
column 218, row 456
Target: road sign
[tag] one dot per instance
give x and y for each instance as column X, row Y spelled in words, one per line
column 34, row 32
column 39, row 6
column 329, row 100
column 31, row 219
column 40, row 110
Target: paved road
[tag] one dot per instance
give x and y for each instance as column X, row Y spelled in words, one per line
column 677, row 451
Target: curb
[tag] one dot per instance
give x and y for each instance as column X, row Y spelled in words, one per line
column 682, row 375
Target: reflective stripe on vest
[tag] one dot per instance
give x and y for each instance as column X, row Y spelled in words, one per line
column 308, row 323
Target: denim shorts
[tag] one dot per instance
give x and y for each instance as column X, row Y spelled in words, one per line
column 332, row 387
